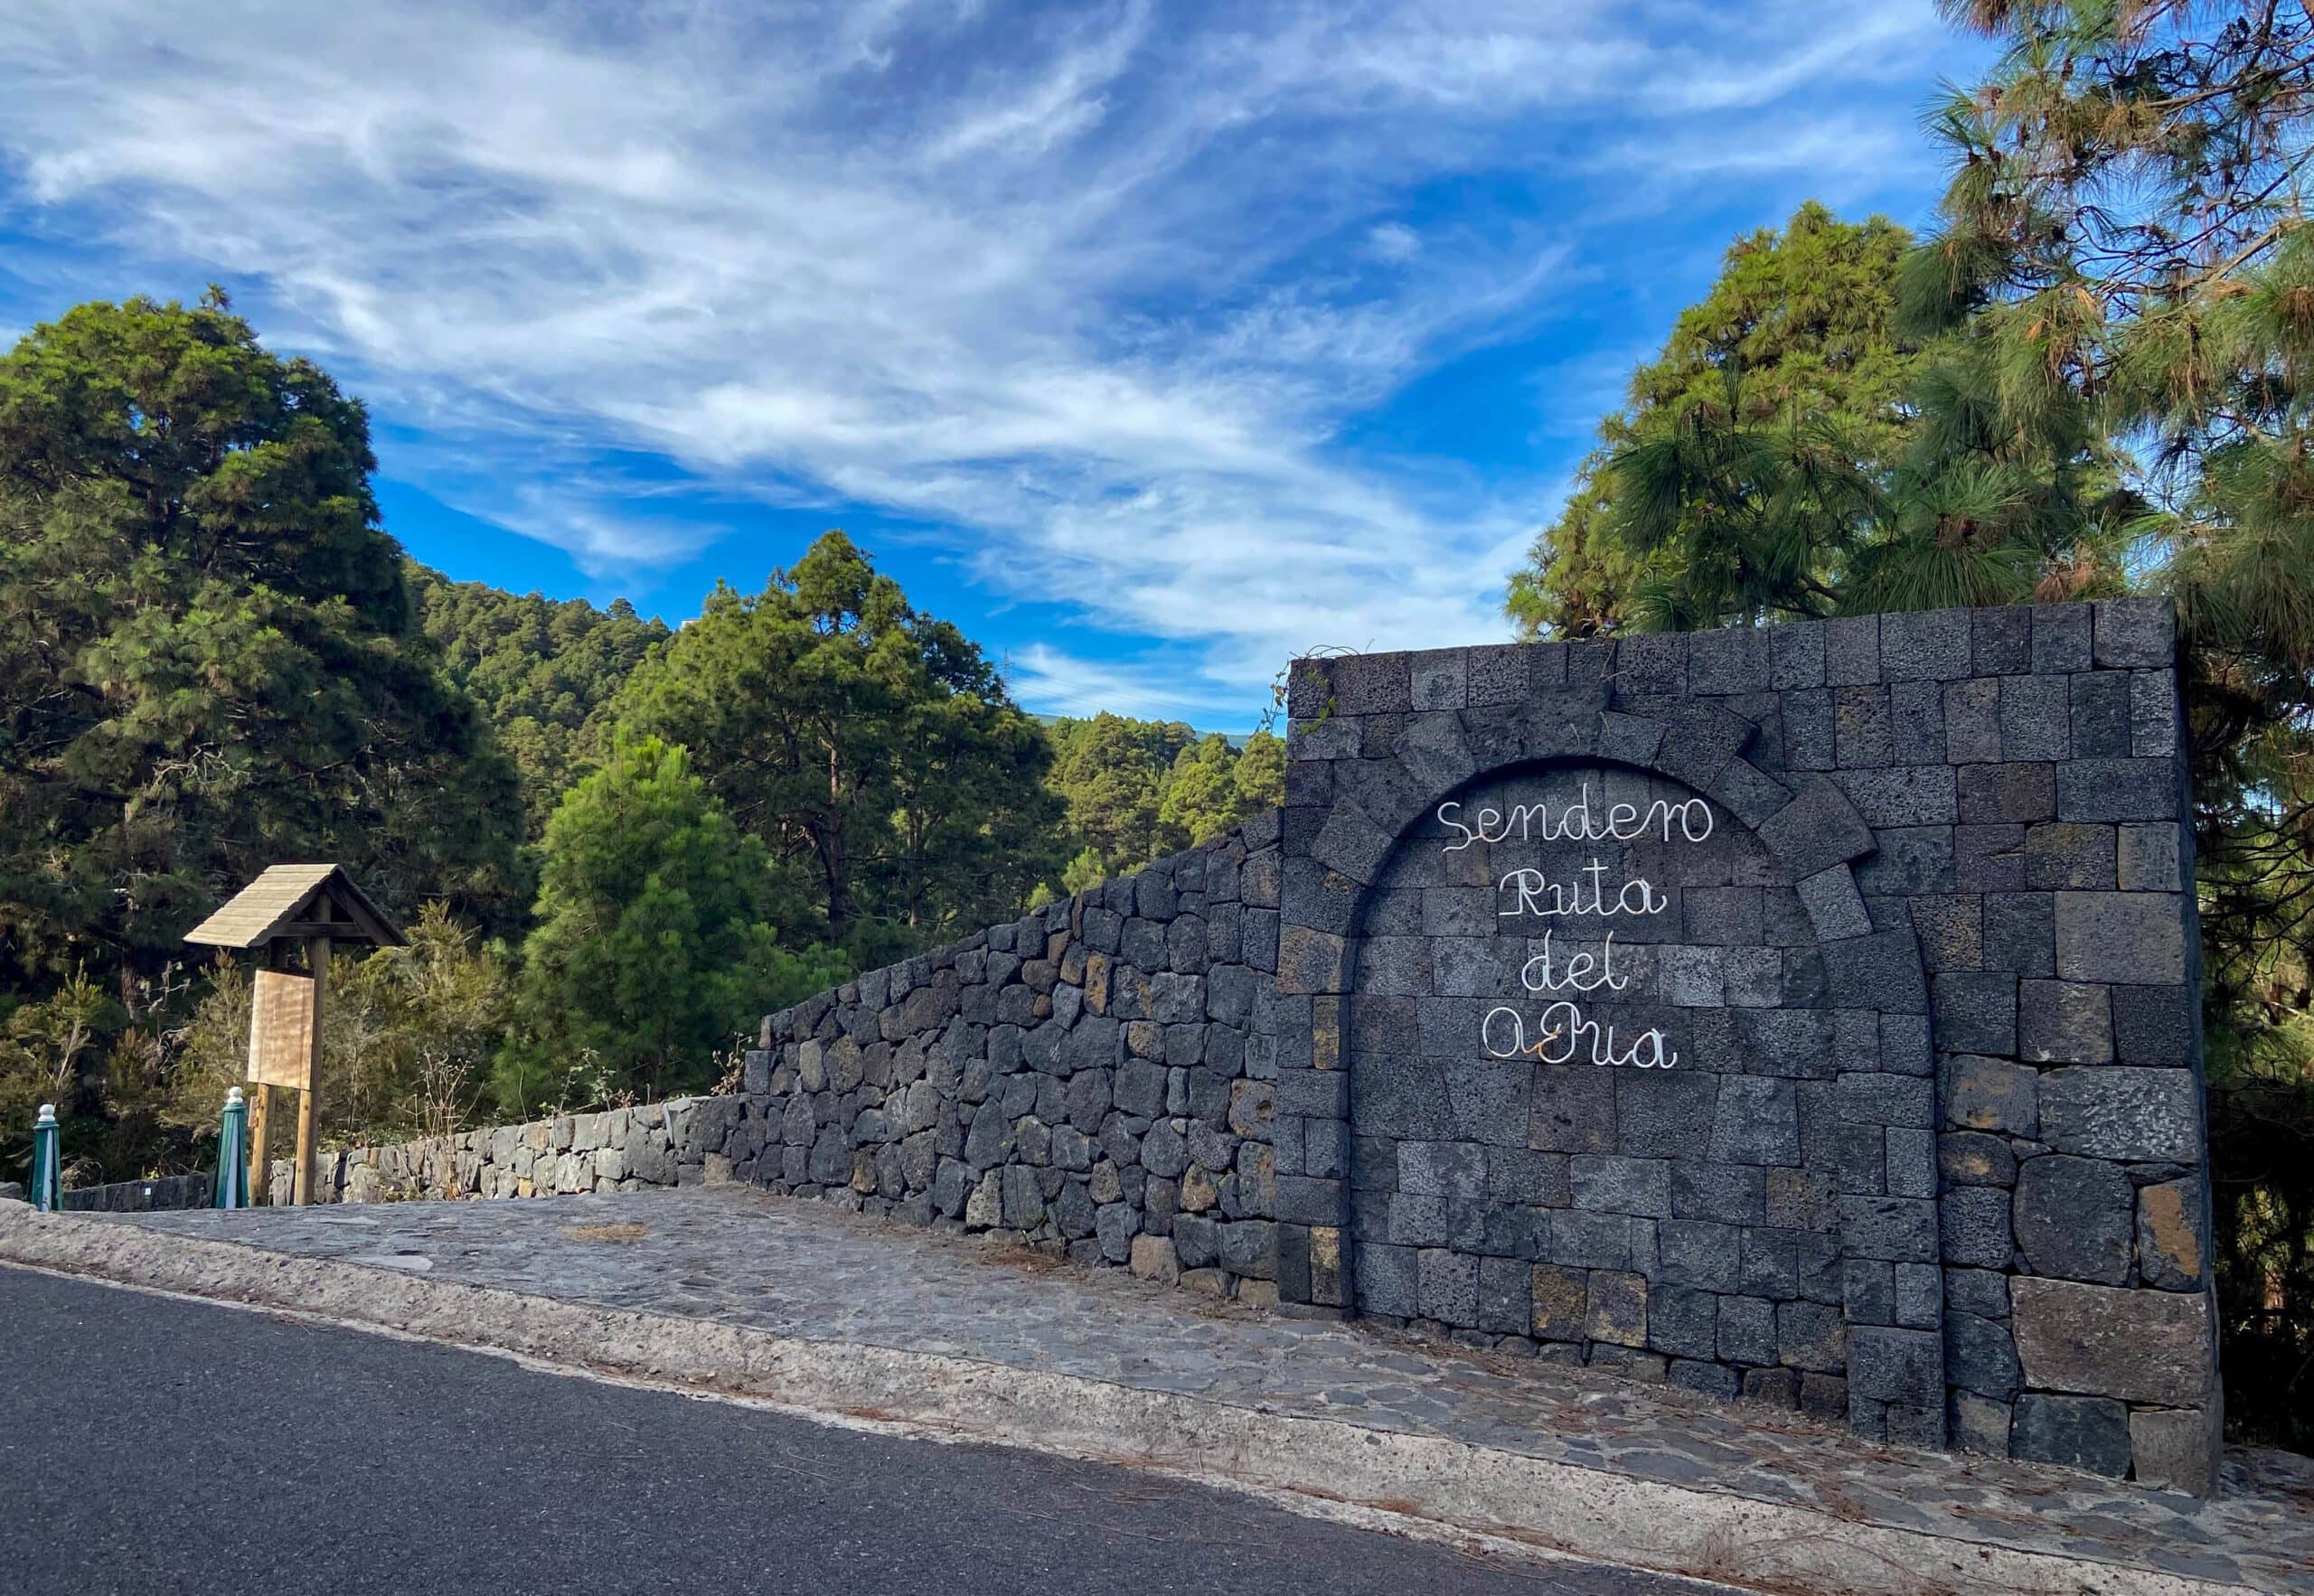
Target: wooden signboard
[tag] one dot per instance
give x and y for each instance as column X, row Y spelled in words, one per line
column 281, row 1031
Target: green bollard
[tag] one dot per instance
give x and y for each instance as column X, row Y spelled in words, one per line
column 232, row 1186
column 48, row 1173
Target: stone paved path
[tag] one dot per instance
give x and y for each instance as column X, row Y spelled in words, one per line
column 806, row 1270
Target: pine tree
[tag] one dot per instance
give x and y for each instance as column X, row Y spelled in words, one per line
column 1791, row 354
column 654, row 945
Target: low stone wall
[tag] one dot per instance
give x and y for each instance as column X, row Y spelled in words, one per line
column 1089, row 1077
column 161, row 1193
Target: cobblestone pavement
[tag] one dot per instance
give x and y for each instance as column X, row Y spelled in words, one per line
column 805, row 1269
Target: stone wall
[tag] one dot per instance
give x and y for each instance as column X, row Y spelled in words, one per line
column 1932, row 1152
column 1085, row 1078
column 142, row 1197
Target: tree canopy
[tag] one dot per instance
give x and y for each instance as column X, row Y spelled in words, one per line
column 212, row 660
column 1787, row 378
column 872, row 747
column 655, row 943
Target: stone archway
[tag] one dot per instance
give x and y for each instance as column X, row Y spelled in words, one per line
column 1366, row 780
column 1592, row 1082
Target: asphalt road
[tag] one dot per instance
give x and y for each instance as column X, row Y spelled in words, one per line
column 150, row 1445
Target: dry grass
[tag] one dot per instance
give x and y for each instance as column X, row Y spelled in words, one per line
column 1030, row 1260
column 604, row 1233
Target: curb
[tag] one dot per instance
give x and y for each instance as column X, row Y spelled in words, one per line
column 1458, row 1486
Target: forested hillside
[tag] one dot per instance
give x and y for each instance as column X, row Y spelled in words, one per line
column 540, row 670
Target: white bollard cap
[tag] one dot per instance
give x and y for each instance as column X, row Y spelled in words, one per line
column 232, row 1094
column 47, row 1114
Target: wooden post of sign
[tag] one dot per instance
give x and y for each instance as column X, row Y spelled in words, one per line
column 260, row 1097
column 260, row 1144
column 309, row 1099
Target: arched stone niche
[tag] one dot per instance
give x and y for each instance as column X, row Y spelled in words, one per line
column 1592, row 1089
column 1758, row 1214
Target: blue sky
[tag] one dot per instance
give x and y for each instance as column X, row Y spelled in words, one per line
column 1152, row 343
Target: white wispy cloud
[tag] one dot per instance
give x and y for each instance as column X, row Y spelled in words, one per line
column 1096, row 286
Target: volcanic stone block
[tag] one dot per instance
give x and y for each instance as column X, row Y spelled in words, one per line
column 1562, row 1302
column 2035, row 719
column 2076, row 1218
column 1972, row 722
column 1796, row 655
column 1747, row 1330
column 2003, row 641
column 2126, row 938
column 1388, row 1280
column 2061, row 637
column 2065, row 855
column 2134, row 632
column 1447, row 1287
column 1911, row 860
column 1733, row 1194
column 1896, row 1365
column 2082, row 1432
column 1835, row 908
column 1575, row 1111
column 1903, row 794
column 1976, row 1011
column 1900, row 1230
column 1811, row 1336
column 1868, row 1291
column 2021, row 932
column 2120, row 1111
column 1978, row 1355
column 2100, row 717
column 1757, row 1122
column 2132, row 1345
column 2148, row 858
column 1589, row 1241
column 1980, row 1425
column 2154, row 1024
column 1809, row 730
column 1951, row 929
column 2065, row 1022
column 1440, row 678
column 2176, row 1449
column 2012, row 793
column 1819, row 828
column 1861, row 735
column 1618, row 1308
column 1682, row 1321
column 1505, row 1300
column 2153, row 713
column 1924, row 644
column 1969, row 1158
column 2117, row 790
column 1614, row 1185
column 1442, row 1168
column 2169, row 1231
column 1867, row 1098
column 1730, row 659
column 1882, row 971
column 1974, row 1224
column 1981, row 1292
column 1657, row 1113
column 1698, row 1253
column 1852, row 650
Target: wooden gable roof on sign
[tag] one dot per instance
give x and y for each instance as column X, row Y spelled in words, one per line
column 297, row 901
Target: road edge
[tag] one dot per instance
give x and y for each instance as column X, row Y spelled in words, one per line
column 1556, row 1507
